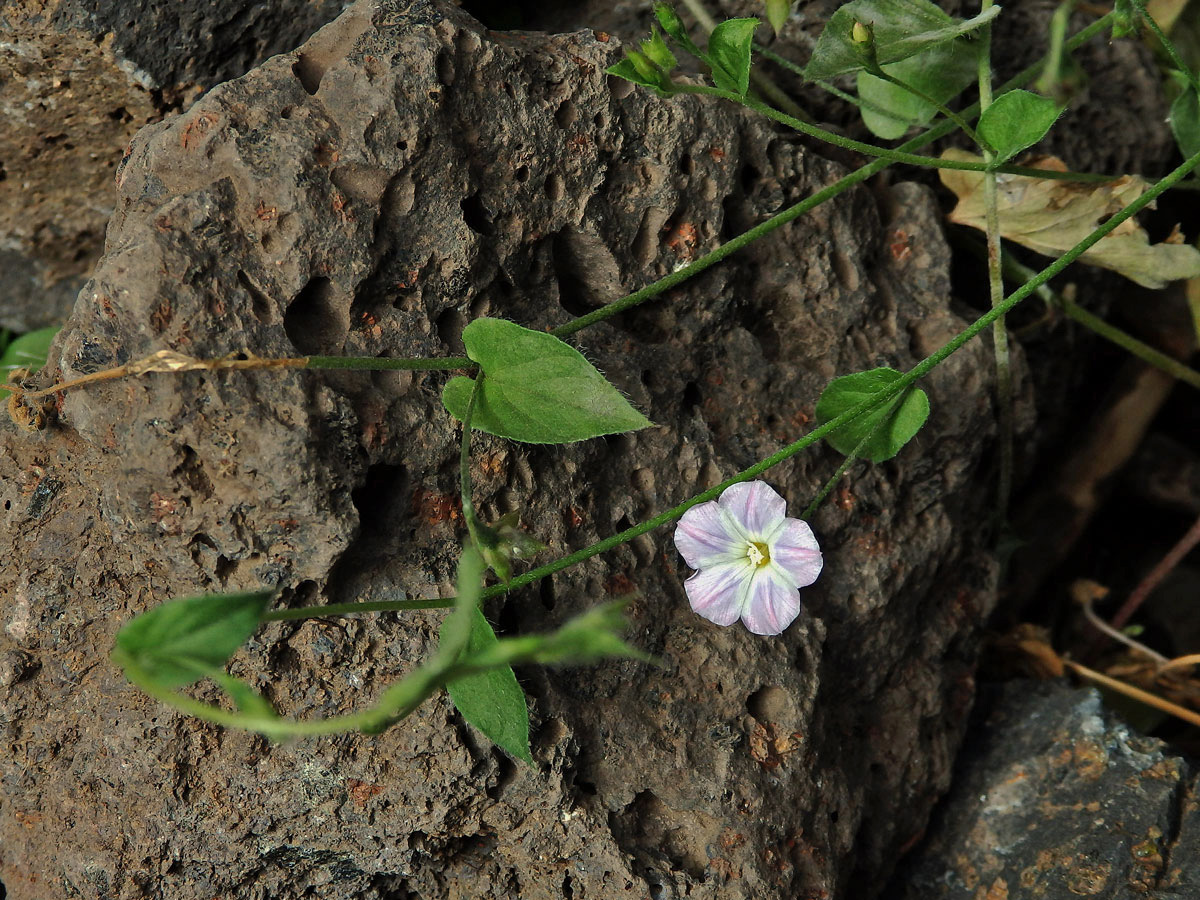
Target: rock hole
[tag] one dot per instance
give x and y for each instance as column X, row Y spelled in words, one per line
column 687, row 165
column 477, row 215
column 450, row 325
column 191, row 472
column 749, row 178
column 567, row 114
column 619, row 88
column 225, row 567
column 646, row 243
column 845, row 270
column 546, row 593
column 506, row 771
column 378, row 498
column 587, row 272
column 555, row 187
column 260, row 303
column 285, row 113
column 586, row 787
column 691, row 396
column 509, row 89
column 445, row 68
column 313, row 321
column 769, row 704
column 401, row 145
column 567, row 891
column 308, row 72
column 522, row 174
column 435, row 95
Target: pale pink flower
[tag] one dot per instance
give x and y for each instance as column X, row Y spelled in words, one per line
column 751, row 559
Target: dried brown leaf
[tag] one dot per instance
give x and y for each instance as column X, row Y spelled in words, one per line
column 1052, row 216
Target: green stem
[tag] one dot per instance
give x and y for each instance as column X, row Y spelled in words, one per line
column 378, row 363
column 1047, row 82
column 1004, row 390
column 1165, row 41
column 464, row 467
column 899, row 386
column 1019, row 273
column 946, row 111
column 880, row 153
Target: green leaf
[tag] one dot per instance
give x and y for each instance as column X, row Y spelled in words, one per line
column 778, row 12
column 492, row 701
column 248, row 700
column 29, row 350
column 940, row 73
column 902, row 28
column 182, row 641
column 1185, row 119
column 658, row 52
column 675, row 29
column 1126, row 20
column 1017, row 120
column 537, row 389
column 456, row 630
column 893, row 424
column 728, row 55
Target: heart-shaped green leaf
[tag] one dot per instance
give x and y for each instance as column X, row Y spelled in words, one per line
column 1017, row 120
column 729, row 48
column 536, row 388
column 901, row 28
column 184, row 640
column 941, row 73
column 888, row 427
column 492, row 701
column 778, row 12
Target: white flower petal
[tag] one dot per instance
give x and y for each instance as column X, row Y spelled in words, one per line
column 755, row 506
column 707, row 536
column 718, row 593
column 772, row 605
column 795, row 550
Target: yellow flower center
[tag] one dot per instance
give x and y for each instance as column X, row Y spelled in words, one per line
column 758, row 554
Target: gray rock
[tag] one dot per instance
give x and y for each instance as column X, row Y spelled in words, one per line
column 401, row 173
column 1055, row 798
column 77, row 79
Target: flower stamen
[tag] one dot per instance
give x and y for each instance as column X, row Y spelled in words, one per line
column 758, row 553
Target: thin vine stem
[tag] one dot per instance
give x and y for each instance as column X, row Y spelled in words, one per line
column 882, row 153
column 1166, row 43
column 464, row 466
column 895, row 389
column 1019, row 273
column 1004, row 388
column 851, row 458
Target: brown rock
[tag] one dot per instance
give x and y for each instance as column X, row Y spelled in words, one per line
column 77, row 79
column 401, row 173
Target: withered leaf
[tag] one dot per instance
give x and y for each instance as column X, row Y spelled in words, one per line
column 1052, row 216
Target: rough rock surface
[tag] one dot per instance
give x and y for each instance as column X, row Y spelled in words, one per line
column 77, row 79
column 401, row 173
column 1054, row 798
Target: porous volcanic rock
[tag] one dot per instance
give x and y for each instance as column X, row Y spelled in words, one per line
column 401, row 173
column 1055, row 798
column 77, row 79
